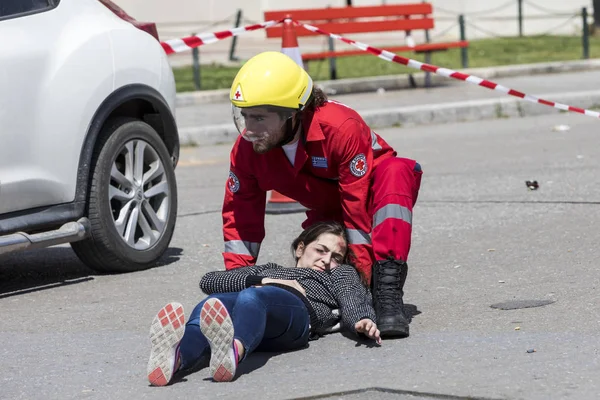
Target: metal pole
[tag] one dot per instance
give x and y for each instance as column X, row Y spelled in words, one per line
column 520, row 3
column 427, row 61
column 332, row 61
column 596, row 5
column 586, row 34
column 463, row 50
column 238, row 21
column 196, row 67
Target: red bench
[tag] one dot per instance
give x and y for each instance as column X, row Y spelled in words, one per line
column 369, row 19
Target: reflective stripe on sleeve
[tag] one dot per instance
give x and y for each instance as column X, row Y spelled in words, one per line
column 356, row 236
column 374, row 145
column 395, row 211
column 242, row 247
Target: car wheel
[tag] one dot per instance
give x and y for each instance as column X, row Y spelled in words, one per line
column 132, row 199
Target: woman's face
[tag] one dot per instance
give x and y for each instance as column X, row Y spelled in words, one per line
column 323, row 254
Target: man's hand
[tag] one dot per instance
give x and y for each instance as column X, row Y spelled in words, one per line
column 369, row 328
column 287, row 282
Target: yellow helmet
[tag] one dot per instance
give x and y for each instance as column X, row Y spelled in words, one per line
column 271, row 79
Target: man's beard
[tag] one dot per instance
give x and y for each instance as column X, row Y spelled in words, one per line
column 263, row 146
column 270, row 142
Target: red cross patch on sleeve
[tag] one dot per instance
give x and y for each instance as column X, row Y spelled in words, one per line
column 358, row 165
column 233, row 183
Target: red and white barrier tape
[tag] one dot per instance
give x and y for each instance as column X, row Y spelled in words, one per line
column 389, row 56
column 190, row 42
column 187, row 43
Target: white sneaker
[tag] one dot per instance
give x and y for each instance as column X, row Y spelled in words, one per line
column 217, row 327
column 166, row 332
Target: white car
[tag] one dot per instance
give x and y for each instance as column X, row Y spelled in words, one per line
column 88, row 139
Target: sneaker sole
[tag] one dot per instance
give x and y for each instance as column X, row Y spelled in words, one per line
column 217, row 327
column 166, row 331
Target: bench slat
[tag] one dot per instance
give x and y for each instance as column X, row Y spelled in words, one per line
column 359, row 27
column 333, row 13
column 395, row 49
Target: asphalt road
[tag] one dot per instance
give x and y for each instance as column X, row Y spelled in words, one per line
column 481, row 237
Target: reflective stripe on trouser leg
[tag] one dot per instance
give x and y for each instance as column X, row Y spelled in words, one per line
column 242, row 247
column 394, row 191
column 356, row 236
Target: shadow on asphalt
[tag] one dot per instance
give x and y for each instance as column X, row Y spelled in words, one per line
column 253, row 362
column 48, row 268
column 411, row 310
column 180, row 376
column 259, row 359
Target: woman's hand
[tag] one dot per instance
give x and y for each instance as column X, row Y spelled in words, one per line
column 369, row 328
column 287, row 282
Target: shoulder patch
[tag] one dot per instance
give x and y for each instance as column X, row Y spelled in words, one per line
column 233, row 183
column 358, row 165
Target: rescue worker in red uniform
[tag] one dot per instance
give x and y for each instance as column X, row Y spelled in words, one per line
column 323, row 155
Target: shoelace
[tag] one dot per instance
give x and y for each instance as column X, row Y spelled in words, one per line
column 388, row 287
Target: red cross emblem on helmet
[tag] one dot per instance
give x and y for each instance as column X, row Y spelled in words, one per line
column 238, row 95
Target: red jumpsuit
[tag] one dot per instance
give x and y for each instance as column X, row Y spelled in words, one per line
column 343, row 171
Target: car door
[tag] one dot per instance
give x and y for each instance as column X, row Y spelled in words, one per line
column 27, row 30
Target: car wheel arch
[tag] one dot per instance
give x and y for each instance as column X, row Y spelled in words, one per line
column 138, row 101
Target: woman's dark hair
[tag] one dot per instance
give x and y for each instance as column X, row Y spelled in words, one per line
column 311, row 234
column 318, row 98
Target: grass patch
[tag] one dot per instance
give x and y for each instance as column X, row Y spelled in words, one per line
column 212, row 76
column 482, row 53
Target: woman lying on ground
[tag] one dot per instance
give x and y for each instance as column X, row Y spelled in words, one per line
column 264, row 308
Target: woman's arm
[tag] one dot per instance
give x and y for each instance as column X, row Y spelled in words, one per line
column 352, row 296
column 234, row 280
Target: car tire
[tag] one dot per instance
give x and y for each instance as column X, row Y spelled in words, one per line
column 132, row 199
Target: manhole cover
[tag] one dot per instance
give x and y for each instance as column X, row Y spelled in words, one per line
column 518, row 304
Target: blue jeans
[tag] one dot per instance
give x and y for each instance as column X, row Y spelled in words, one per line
column 264, row 318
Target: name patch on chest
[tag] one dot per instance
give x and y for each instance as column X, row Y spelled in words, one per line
column 319, row 162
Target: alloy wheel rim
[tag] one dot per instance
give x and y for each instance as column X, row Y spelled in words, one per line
column 139, row 195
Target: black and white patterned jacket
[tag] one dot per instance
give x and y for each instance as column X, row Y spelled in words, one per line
column 340, row 288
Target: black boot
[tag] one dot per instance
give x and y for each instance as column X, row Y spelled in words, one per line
column 388, row 281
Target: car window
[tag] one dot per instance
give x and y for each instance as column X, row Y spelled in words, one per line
column 17, row 8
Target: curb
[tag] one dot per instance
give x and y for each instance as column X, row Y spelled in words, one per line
column 463, row 111
column 402, row 81
column 477, row 110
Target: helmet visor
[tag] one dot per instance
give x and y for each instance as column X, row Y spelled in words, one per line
column 257, row 123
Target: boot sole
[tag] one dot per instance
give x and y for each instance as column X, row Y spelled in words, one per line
column 393, row 332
